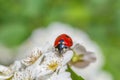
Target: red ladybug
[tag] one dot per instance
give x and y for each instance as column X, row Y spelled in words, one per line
column 62, row 43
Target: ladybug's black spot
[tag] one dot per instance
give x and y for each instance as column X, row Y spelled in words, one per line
column 67, row 36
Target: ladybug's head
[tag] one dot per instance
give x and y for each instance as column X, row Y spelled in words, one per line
column 62, row 43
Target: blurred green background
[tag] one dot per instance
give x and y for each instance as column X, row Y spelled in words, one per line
column 99, row 18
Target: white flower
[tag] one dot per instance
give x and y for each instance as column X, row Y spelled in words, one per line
column 82, row 58
column 42, row 35
column 51, row 63
column 36, row 53
column 38, row 66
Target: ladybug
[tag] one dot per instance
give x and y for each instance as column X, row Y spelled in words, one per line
column 62, row 43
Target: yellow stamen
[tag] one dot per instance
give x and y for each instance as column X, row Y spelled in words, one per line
column 53, row 65
column 76, row 57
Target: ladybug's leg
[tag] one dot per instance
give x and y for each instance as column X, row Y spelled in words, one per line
column 58, row 53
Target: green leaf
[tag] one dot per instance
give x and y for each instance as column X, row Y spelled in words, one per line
column 74, row 76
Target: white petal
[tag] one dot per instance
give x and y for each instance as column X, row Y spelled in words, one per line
column 67, row 57
column 35, row 54
column 16, row 66
column 79, row 49
column 5, row 72
column 61, row 76
column 90, row 57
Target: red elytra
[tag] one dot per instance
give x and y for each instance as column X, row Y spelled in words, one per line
column 67, row 40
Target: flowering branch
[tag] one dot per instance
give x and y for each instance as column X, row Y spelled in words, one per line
column 46, row 66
